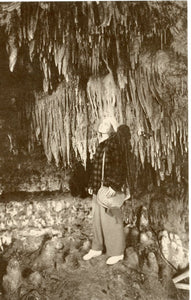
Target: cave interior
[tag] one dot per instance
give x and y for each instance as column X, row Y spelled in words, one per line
column 64, row 66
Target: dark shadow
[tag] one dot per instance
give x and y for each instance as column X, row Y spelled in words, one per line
column 3, row 267
column 79, row 178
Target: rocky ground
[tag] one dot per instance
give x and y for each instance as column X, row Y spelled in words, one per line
column 50, row 265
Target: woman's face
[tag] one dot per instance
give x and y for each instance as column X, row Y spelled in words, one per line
column 105, row 127
column 104, row 131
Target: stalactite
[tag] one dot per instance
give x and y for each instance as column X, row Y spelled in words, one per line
column 135, row 91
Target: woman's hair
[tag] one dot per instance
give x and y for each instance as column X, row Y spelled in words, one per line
column 124, row 135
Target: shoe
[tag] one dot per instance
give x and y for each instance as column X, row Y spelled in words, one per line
column 92, row 253
column 114, row 259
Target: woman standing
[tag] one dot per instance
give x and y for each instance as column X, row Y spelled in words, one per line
column 107, row 224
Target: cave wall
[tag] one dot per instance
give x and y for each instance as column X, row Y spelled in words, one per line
column 60, row 214
column 22, row 168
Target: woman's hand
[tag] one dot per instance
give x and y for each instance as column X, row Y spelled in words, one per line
column 110, row 192
column 90, row 191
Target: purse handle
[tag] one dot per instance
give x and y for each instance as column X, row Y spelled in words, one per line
column 103, row 166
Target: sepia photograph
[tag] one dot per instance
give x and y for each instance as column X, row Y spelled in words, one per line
column 94, row 201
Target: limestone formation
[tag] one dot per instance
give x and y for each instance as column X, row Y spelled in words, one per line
column 64, row 66
column 35, row 279
column 143, row 221
column 173, row 250
column 13, row 278
column 46, row 259
column 132, row 259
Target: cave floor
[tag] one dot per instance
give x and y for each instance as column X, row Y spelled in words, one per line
column 94, row 280
column 62, row 273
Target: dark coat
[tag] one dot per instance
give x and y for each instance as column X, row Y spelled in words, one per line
column 114, row 169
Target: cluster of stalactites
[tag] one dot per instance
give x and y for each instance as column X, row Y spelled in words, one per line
column 144, row 87
column 66, row 121
column 81, row 37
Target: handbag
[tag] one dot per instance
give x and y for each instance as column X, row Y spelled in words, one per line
column 115, row 201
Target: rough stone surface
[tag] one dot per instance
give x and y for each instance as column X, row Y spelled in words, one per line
column 151, row 266
column 13, row 279
column 36, row 218
column 173, row 250
column 132, row 258
column 50, row 255
column 36, row 279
